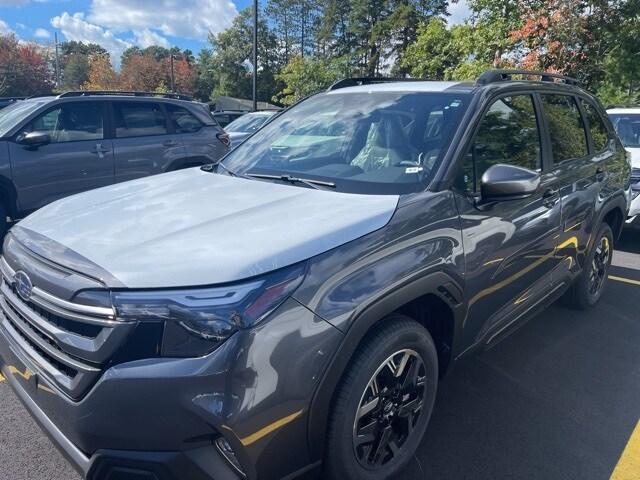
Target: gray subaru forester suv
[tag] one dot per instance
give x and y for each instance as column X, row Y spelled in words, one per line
column 291, row 309
column 55, row 146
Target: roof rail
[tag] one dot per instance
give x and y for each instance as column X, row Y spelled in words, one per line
column 358, row 81
column 90, row 93
column 494, row 76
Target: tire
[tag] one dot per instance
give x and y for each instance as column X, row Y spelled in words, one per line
column 4, row 225
column 397, row 338
column 584, row 293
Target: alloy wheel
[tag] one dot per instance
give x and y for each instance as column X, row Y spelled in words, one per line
column 599, row 266
column 389, row 409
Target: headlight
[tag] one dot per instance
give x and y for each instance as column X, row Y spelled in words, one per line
column 197, row 320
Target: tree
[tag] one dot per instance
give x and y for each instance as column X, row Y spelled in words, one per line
column 101, row 75
column 230, row 59
column 304, row 76
column 24, row 68
column 76, row 71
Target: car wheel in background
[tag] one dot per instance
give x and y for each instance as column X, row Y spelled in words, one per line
column 383, row 405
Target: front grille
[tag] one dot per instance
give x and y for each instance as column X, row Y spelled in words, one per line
column 70, row 344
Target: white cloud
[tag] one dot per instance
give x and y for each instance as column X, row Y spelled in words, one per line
column 4, row 28
column 146, row 38
column 180, row 18
column 459, row 11
column 75, row 27
column 42, row 33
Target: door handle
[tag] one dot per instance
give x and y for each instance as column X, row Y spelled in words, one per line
column 100, row 150
column 170, row 143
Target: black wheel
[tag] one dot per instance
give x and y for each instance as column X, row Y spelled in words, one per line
column 384, row 403
column 4, row 225
column 590, row 285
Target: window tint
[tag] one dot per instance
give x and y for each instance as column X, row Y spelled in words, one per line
column 138, row 119
column 71, row 122
column 568, row 137
column 598, row 130
column 183, row 120
column 507, row 134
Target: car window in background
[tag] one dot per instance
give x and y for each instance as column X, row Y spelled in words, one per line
column 183, row 121
column 247, row 123
column 138, row 119
column 15, row 113
column 566, row 129
column 71, row 122
column 628, row 128
column 377, row 143
column 598, row 129
column 507, row 134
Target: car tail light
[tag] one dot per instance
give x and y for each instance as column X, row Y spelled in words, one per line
column 224, row 138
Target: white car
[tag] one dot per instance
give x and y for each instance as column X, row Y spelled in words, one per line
column 627, row 123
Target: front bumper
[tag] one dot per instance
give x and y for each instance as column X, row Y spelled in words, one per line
column 158, row 418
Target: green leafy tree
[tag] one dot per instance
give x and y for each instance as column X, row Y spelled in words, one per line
column 305, row 76
column 231, row 53
column 76, row 71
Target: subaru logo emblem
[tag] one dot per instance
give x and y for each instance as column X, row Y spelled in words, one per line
column 24, row 287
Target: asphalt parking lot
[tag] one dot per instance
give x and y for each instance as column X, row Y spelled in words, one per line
column 559, row 399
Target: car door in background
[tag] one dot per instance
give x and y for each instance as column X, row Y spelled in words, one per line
column 509, row 245
column 580, row 168
column 201, row 142
column 77, row 158
column 143, row 144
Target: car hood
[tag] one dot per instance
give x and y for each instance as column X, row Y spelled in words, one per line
column 635, row 157
column 192, row 227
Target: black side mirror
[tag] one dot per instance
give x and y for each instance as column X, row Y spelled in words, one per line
column 34, row 139
column 508, row 182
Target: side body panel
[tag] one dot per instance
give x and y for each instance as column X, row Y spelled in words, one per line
column 57, row 170
column 203, row 146
column 419, row 253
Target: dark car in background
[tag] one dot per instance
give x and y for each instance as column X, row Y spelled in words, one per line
column 294, row 307
column 54, row 146
column 245, row 126
column 226, row 117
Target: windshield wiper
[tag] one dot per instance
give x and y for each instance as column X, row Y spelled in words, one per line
column 317, row 184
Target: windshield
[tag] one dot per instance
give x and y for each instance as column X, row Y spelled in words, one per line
column 247, row 123
column 628, row 128
column 369, row 142
column 15, row 112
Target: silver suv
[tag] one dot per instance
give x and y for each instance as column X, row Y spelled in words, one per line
column 55, row 146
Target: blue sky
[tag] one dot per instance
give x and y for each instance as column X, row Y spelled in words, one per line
column 119, row 24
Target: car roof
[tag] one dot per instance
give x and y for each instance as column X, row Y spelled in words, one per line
column 408, row 86
column 623, row 110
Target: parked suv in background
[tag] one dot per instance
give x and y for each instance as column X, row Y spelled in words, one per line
column 626, row 121
column 294, row 307
column 55, row 146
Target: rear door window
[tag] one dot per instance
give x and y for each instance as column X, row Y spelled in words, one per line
column 566, row 128
column 599, row 131
column 138, row 119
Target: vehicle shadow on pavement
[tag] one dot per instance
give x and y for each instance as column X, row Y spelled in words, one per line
column 629, row 241
column 556, row 400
